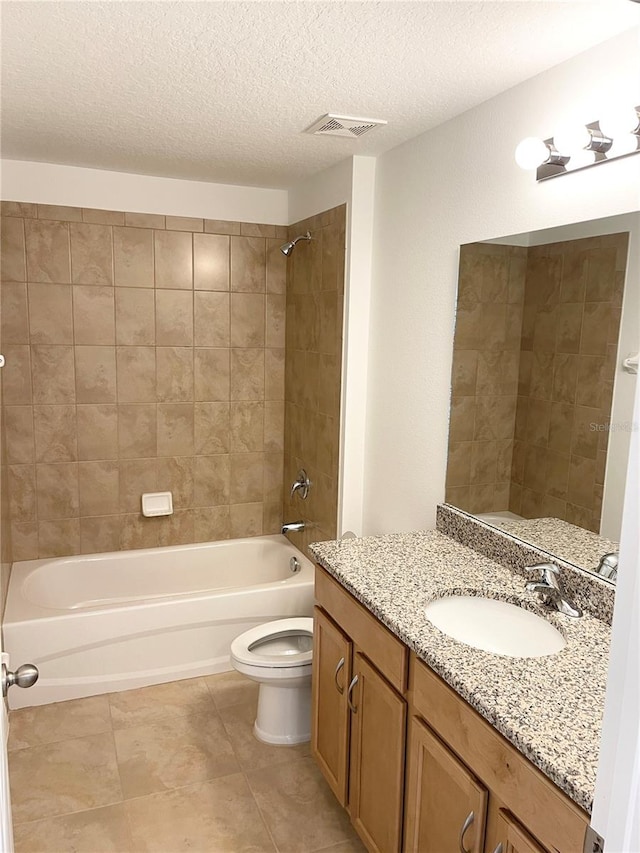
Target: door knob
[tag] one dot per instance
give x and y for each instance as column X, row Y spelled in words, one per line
column 24, row 676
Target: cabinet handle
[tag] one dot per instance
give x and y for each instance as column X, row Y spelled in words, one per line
column 354, row 681
column 465, row 827
column 499, row 848
column 335, row 676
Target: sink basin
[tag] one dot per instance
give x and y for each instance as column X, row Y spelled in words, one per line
column 495, row 626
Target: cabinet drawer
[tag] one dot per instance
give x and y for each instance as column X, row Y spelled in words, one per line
column 542, row 807
column 378, row 643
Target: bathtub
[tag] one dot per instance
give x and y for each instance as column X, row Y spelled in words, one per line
column 498, row 518
column 106, row 622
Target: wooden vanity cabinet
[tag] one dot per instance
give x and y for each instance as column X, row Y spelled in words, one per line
column 446, row 805
column 376, row 782
column 513, row 782
column 514, row 837
column 330, row 712
column 466, row 789
column 358, row 730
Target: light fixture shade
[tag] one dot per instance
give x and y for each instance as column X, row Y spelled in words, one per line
column 571, row 139
column 580, row 159
column 626, row 143
column 576, row 146
column 619, row 121
column 532, row 152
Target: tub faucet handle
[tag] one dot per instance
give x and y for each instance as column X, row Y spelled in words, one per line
column 302, row 484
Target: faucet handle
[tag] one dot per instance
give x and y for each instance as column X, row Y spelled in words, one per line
column 550, row 574
column 608, row 566
column 551, row 591
column 301, row 484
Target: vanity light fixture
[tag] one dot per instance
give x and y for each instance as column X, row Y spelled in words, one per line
column 533, row 153
column 573, row 147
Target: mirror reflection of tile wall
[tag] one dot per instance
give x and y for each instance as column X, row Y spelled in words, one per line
column 533, row 368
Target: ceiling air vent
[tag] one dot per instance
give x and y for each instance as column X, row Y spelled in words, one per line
column 333, row 125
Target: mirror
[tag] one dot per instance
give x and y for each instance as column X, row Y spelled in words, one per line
column 541, row 404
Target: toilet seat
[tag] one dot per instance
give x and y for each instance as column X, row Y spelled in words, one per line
column 278, row 656
column 274, row 645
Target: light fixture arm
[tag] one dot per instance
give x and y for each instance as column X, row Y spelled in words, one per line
column 582, row 147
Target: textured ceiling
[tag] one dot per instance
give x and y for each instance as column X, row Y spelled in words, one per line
column 221, row 91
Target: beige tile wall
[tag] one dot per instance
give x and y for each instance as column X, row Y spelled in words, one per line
column 573, row 300
column 144, row 353
column 486, row 361
column 5, row 509
column 5, row 517
column 532, row 447
column 315, row 297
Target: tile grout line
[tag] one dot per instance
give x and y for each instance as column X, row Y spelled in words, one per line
column 257, row 805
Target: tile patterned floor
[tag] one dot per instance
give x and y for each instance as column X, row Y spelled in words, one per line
column 166, row 769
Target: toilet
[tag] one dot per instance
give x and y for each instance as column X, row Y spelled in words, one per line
column 278, row 656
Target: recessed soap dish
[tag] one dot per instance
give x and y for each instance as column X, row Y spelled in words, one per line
column 157, row 503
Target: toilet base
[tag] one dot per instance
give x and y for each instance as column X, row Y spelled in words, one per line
column 284, row 713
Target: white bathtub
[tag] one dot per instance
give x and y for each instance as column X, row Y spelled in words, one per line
column 106, row 622
column 498, row 518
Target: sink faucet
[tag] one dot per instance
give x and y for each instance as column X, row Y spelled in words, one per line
column 608, row 566
column 551, row 591
column 293, row 527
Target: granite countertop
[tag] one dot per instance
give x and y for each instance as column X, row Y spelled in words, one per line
column 549, row 708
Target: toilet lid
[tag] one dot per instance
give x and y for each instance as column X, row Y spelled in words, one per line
column 283, row 643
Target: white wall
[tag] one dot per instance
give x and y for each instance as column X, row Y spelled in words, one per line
column 47, row 183
column 357, row 310
column 458, row 184
column 321, row 191
column 616, row 811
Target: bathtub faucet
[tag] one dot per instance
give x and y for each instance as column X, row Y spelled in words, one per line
column 293, row 527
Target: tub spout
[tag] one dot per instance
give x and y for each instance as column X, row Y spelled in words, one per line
column 293, row 527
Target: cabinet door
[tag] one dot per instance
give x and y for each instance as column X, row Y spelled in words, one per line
column 514, row 838
column 331, row 675
column 446, row 806
column 378, row 732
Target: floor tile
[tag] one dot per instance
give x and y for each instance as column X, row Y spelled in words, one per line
column 238, row 721
column 174, row 753
column 155, row 704
column 104, row 830
column 298, row 807
column 63, row 777
column 212, row 817
column 59, row 721
column 354, row 845
column 232, row 688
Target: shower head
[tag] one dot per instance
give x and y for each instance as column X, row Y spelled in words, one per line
column 287, row 248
